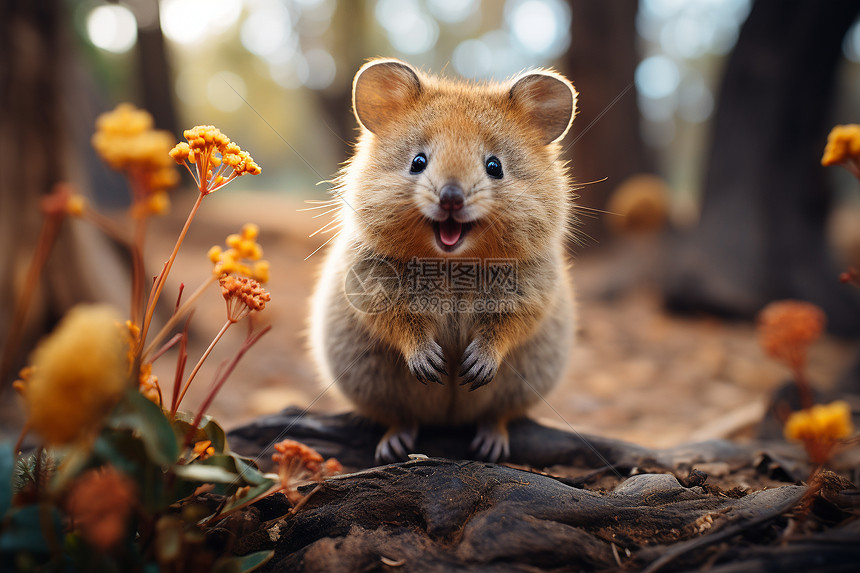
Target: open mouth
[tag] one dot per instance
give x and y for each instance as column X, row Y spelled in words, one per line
column 450, row 233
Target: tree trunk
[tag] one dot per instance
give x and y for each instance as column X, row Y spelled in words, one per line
column 604, row 142
column 761, row 235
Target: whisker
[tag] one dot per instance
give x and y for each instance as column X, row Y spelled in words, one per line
column 324, row 227
column 330, row 239
column 594, row 210
column 318, row 215
column 583, row 183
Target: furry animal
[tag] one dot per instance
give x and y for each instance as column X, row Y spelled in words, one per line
column 449, row 179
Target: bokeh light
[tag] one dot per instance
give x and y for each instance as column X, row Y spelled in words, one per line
column 473, row 59
column 267, row 29
column 657, row 77
column 226, row 91
column 851, row 44
column 410, row 30
column 452, row 11
column 695, row 99
column 320, row 69
column 193, row 21
column 112, row 27
column 540, row 27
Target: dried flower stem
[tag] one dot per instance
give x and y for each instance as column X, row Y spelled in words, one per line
column 45, row 244
column 804, row 388
column 184, row 308
column 137, row 270
column 167, row 346
column 105, row 225
column 203, row 359
column 162, row 277
column 181, row 360
column 219, row 381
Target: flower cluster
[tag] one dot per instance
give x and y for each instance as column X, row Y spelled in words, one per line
column 243, row 295
column 100, row 503
column 78, row 373
column 298, row 463
column 148, row 382
column 843, row 148
column 786, row 328
column 62, row 201
column 214, row 155
column 126, row 140
column 203, row 449
column 820, row 428
column 241, row 247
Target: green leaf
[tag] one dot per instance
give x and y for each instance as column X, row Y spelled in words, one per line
column 7, row 465
column 243, row 564
column 207, row 430
column 148, row 421
column 252, row 561
column 250, row 496
column 22, row 529
column 206, row 473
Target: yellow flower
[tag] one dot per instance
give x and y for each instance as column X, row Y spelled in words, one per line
column 203, row 449
column 214, row 156
column 820, row 428
column 126, row 140
column 243, row 257
column 149, row 384
column 843, row 144
column 79, row 372
column 76, row 205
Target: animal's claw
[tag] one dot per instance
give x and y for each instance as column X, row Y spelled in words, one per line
column 478, row 366
column 396, row 444
column 427, row 363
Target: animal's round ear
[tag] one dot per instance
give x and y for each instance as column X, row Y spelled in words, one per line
column 381, row 90
column 549, row 101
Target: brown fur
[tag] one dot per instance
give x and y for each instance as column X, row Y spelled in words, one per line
column 524, row 216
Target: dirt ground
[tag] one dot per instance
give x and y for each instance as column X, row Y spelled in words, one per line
column 636, row 372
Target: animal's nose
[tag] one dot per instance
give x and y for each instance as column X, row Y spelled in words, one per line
column 451, row 197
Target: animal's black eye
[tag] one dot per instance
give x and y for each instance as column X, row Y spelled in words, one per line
column 494, row 167
column 419, row 163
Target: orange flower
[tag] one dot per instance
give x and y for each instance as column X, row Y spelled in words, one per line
column 786, row 329
column 297, row 464
column 99, row 504
column 149, row 386
column 243, row 295
column 203, row 449
column 214, row 156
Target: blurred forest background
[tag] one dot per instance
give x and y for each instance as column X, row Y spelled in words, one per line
column 706, row 118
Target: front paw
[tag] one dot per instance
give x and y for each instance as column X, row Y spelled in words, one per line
column 427, row 363
column 479, row 365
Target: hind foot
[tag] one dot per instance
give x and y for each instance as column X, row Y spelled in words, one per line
column 396, row 444
column 492, row 443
